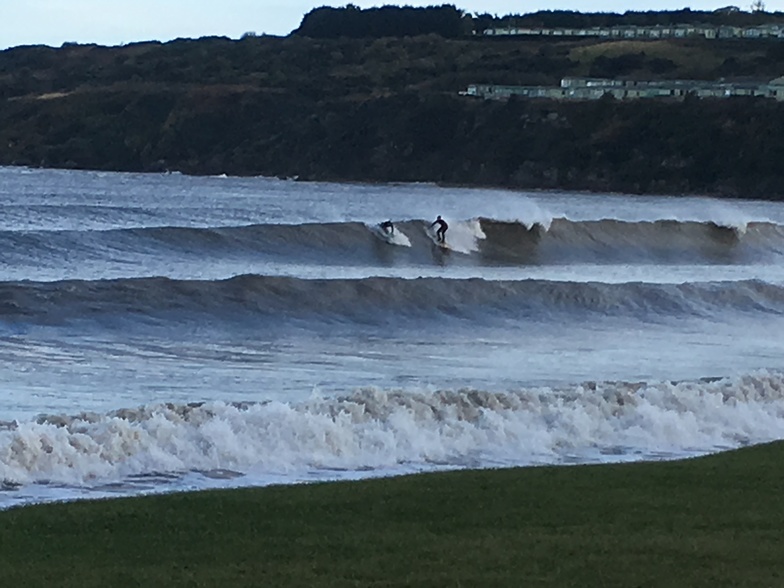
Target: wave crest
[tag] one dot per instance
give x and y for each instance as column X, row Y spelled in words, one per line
column 481, row 241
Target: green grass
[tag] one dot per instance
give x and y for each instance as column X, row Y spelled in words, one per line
column 715, row 521
column 694, row 61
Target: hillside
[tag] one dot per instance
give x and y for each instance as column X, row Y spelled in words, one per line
column 389, row 109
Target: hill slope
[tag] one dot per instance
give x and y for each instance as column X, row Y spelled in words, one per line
column 388, row 109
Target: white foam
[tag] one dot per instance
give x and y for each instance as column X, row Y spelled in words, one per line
column 396, row 238
column 523, row 210
column 386, row 431
column 464, row 236
column 726, row 215
column 724, row 212
column 399, row 238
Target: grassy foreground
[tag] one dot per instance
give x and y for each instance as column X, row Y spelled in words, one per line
column 715, row 521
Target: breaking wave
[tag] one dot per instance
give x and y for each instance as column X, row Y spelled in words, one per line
column 483, row 241
column 374, row 430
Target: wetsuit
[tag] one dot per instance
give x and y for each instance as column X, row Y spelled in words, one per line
column 442, row 227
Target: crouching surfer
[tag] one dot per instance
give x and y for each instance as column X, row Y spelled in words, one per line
column 387, row 227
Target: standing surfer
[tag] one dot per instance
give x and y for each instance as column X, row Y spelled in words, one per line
column 442, row 228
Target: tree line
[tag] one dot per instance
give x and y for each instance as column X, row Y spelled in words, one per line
column 450, row 22
column 386, row 21
column 686, row 16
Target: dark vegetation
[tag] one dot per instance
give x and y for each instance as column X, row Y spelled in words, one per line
column 569, row 18
column 712, row 522
column 386, row 21
column 385, row 107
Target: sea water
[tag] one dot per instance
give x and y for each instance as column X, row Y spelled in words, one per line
column 165, row 332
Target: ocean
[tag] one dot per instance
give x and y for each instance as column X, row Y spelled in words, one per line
column 161, row 332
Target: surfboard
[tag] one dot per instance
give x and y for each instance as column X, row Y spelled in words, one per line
column 382, row 234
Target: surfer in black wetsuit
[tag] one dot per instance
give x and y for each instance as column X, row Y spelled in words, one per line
column 387, row 227
column 442, row 228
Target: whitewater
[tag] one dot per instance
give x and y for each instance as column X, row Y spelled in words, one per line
column 161, row 332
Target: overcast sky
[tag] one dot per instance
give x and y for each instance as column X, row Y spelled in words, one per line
column 114, row 22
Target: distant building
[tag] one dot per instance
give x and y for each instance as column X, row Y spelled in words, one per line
column 595, row 88
column 764, row 31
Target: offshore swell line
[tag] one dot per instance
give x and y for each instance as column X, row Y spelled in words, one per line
column 264, row 298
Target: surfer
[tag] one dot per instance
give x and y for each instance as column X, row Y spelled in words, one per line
column 442, row 228
column 388, row 227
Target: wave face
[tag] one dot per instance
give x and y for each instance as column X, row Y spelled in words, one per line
column 603, row 241
column 376, row 300
column 386, row 431
column 480, row 241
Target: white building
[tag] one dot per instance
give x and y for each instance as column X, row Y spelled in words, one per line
column 595, row 88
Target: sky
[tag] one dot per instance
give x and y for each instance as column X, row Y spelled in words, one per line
column 116, row 22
